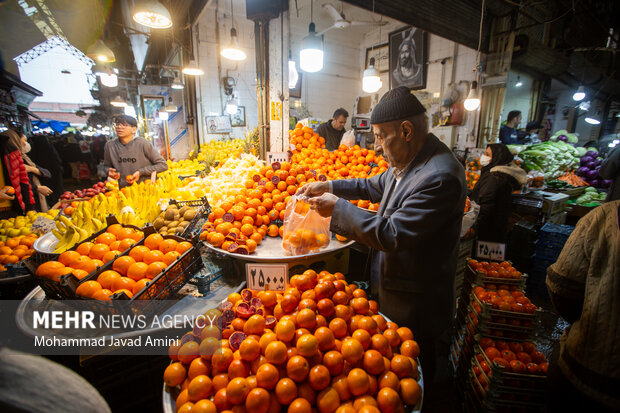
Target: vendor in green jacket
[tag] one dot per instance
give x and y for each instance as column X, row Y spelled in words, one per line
column 414, row 236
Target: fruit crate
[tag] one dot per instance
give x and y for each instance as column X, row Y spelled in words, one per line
column 492, row 326
column 164, row 286
column 64, row 288
column 474, row 277
column 506, row 390
column 505, row 379
column 202, row 212
column 478, row 326
column 482, row 400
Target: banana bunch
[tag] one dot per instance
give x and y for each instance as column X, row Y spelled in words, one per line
column 68, row 234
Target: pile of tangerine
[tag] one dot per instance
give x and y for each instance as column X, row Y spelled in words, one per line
column 319, row 346
column 240, row 224
column 305, row 137
column 16, row 249
column 88, row 256
column 133, row 272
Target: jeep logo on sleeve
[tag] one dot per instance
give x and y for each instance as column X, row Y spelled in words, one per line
column 127, row 160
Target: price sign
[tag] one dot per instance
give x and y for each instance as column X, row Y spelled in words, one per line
column 273, row 277
column 491, row 250
column 277, row 157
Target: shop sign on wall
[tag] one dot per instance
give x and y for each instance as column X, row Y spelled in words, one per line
column 276, row 110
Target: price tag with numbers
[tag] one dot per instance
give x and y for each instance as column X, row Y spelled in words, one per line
column 273, row 277
column 491, row 250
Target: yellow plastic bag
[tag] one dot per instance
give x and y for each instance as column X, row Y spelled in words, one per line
column 304, row 230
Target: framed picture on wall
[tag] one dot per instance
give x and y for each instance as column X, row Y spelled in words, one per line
column 408, row 56
column 296, row 91
column 218, row 124
column 238, row 119
column 381, row 53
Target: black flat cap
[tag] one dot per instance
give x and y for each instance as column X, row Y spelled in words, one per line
column 396, row 104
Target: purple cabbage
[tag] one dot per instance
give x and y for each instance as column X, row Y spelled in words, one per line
column 598, row 161
column 583, row 171
column 563, row 138
column 583, row 161
column 591, row 165
column 606, row 183
column 593, row 154
column 592, row 174
column 595, row 183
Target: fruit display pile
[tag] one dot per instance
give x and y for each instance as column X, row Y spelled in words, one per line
column 222, row 183
column 319, row 346
column 22, row 225
column 174, row 220
column 254, row 208
column 96, row 189
column 16, row 249
column 495, row 269
column 88, row 256
column 137, row 205
column 133, row 272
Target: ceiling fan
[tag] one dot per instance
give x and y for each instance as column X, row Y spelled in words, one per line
column 341, row 22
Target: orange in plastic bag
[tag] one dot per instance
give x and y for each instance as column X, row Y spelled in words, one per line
column 304, row 230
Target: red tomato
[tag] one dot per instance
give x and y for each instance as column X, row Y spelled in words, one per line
column 533, row 368
column 492, row 352
column 502, row 362
column 524, row 357
column 509, row 355
column 518, row 367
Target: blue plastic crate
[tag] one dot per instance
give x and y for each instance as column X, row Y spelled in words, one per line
column 552, row 239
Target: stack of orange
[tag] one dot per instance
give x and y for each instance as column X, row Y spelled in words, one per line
column 319, row 346
column 304, row 137
column 240, row 224
column 88, row 256
column 344, row 162
column 16, row 249
column 131, row 273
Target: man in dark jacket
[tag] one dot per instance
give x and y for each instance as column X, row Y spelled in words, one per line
column 610, row 169
column 333, row 130
column 414, row 236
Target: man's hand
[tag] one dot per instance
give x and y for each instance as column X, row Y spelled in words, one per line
column 312, row 190
column 324, row 204
column 134, row 177
column 113, row 174
column 4, row 195
column 44, row 190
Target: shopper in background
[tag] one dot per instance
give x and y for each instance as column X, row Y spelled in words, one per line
column 129, row 156
column 508, row 132
column 499, row 177
column 333, row 130
column 35, row 171
column 531, row 132
column 584, row 285
column 414, row 236
column 610, row 169
column 14, row 174
column 43, row 153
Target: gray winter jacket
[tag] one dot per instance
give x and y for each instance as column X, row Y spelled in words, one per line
column 413, row 237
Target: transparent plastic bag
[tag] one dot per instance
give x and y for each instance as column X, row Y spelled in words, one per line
column 304, row 230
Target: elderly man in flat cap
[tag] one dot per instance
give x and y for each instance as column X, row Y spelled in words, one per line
column 414, row 236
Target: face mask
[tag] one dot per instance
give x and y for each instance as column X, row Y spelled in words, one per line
column 485, row 160
column 27, row 147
